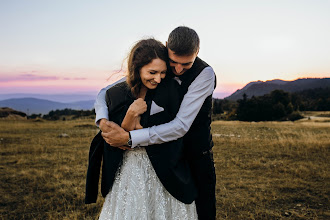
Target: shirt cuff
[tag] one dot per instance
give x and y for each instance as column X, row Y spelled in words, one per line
column 140, row 137
column 101, row 113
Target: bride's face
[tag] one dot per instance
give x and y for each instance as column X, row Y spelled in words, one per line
column 153, row 73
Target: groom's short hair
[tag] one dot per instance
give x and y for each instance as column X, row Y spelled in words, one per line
column 183, row 41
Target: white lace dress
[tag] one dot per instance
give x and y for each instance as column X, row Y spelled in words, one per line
column 137, row 193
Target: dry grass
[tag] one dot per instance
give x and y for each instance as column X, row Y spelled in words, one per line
column 264, row 170
column 272, row 170
column 43, row 174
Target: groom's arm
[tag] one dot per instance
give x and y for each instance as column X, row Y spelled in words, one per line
column 191, row 104
column 198, row 91
column 100, row 105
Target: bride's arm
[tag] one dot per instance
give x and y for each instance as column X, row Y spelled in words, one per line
column 131, row 120
column 138, row 125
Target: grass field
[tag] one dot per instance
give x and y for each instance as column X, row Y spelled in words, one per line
column 265, row 170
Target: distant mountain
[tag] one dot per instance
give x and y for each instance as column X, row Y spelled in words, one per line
column 64, row 98
column 260, row 88
column 42, row 106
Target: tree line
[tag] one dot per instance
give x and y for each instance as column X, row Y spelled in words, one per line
column 278, row 105
column 64, row 113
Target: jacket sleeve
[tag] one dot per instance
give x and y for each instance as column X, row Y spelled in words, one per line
column 93, row 172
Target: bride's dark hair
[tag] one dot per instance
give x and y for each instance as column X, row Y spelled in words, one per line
column 142, row 53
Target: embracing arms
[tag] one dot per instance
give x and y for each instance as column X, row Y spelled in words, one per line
column 198, row 91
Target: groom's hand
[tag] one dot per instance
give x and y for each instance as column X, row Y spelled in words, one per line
column 113, row 134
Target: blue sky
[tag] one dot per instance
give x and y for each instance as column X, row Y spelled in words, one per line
column 75, row 45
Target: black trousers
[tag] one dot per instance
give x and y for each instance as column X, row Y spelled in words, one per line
column 203, row 171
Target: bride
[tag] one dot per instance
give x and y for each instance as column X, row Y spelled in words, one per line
column 151, row 182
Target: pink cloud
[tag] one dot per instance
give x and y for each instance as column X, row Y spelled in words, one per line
column 76, row 78
column 26, row 77
column 35, row 77
column 59, row 86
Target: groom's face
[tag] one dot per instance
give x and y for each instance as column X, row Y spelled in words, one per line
column 180, row 64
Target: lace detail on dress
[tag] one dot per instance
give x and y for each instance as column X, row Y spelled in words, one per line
column 137, row 193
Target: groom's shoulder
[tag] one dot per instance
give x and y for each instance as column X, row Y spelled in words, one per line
column 204, row 67
column 200, row 61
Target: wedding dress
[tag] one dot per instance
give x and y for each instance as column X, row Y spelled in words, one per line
column 137, row 193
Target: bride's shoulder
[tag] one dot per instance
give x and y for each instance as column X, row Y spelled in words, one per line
column 118, row 88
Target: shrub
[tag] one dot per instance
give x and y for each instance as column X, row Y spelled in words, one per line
column 294, row 116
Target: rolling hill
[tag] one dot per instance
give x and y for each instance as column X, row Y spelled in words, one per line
column 8, row 113
column 63, row 98
column 260, row 88
column 42, row 106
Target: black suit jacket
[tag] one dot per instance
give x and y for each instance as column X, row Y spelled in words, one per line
column 167, row 159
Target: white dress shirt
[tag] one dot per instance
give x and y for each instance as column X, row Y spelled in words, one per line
column 192, row 102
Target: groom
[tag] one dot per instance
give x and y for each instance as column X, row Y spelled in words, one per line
column 197, row 82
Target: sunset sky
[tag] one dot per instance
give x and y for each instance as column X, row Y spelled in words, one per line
column 68, row 46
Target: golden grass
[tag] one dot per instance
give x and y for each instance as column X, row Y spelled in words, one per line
column 272, row 170
column 265, row 170
column 42, row 174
